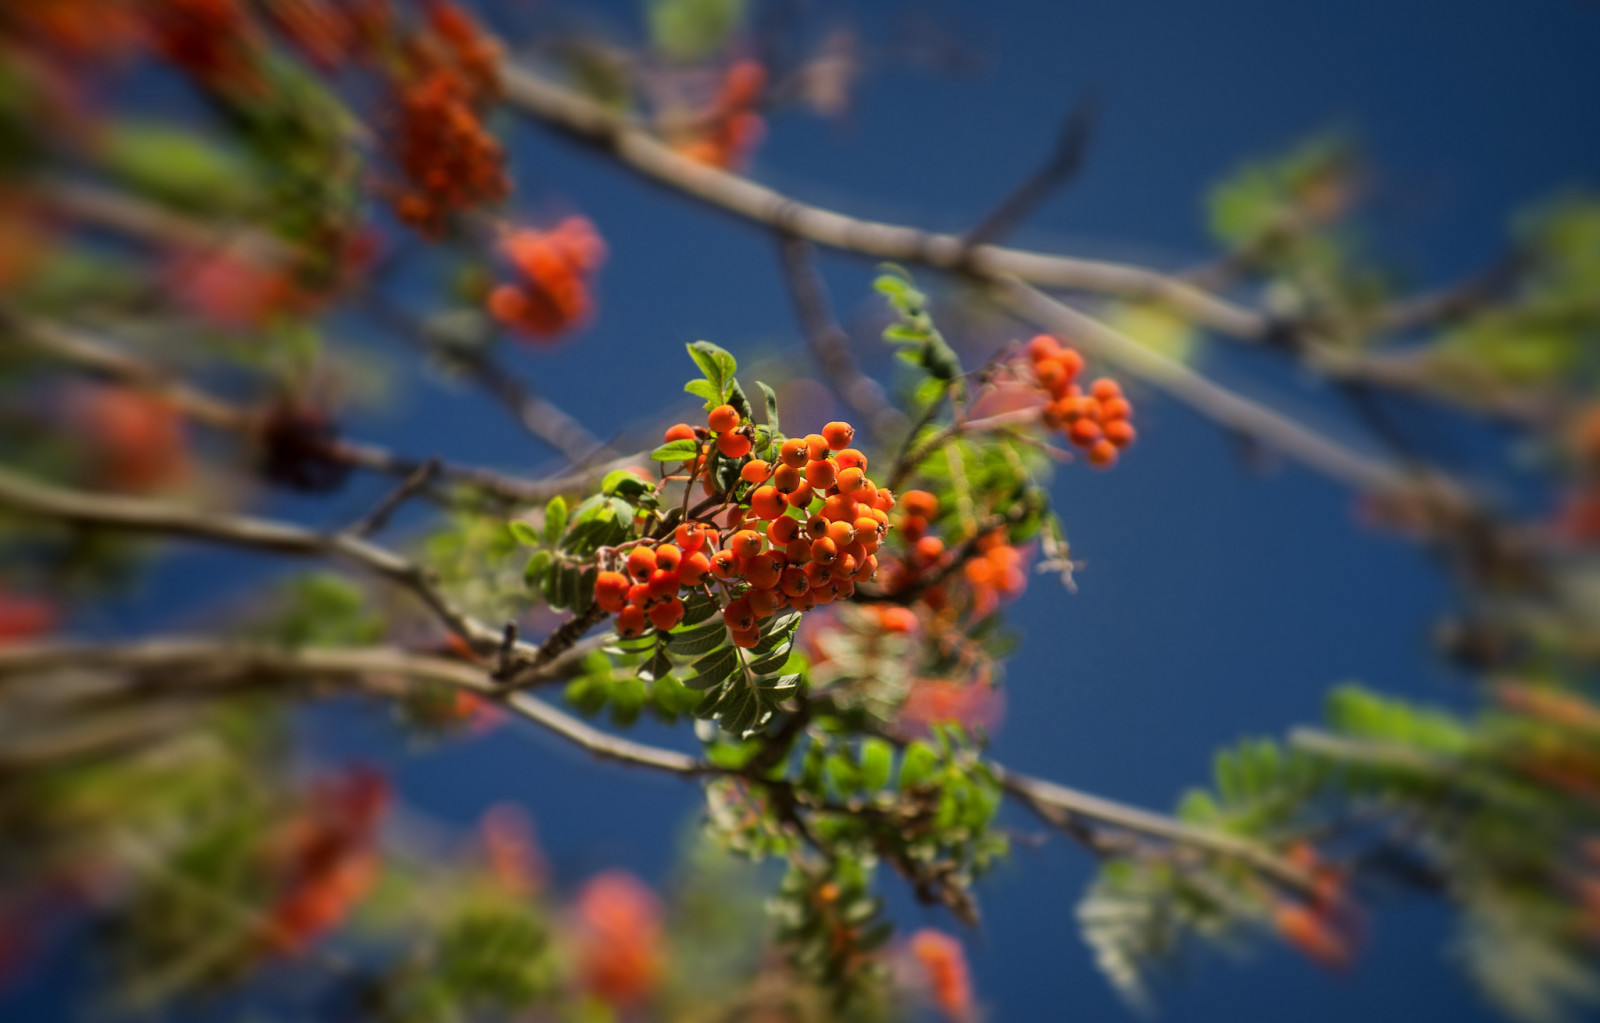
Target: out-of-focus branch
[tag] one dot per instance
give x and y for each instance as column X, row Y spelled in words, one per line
column 77, row 348
column 210, row 663
column 143, row 515
column 637, row 148
column 1066, row 159
column 1068, row 808
column 830, row 344
column 1253, row 420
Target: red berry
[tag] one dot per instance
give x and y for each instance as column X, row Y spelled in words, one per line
column 838, row 435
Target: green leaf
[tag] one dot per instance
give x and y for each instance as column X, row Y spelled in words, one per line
column 555, row 518
column 917, row 765
column 538, row 564
column 688, row 31
column 696, row 641
column 877, row 760
column 737, row 398
column 676, row 451
column 627, row 485
column 704, row 389
column 714, row 669
column 716, row 363
column 772, row 405
column 525, row 534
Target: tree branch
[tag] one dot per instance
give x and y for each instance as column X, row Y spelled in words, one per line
column 180, row 660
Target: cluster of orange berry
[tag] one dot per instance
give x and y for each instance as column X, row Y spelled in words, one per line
column 1324, row 928
column 1096, row 422
column 449, row 158
column 731, row 129
column 555, row 266
column 995, row 572
column 808, row 531
column 455, row 40
column 209, row 39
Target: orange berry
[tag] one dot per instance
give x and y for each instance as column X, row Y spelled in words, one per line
column 1084, row 432
column 755, row 471
column 900, row 619
column 842, row 533
column 746, row 638
column 689, row 537
column 798, row 551
column 866, row 527
column 794, row 452
column 838, row 435
column 816, row 527
column 869, row 569
column 805, row 602
column 794, row 582
column 1105, row 389
column 630, row 621
column 816, row 446
column 845, row 566
column 919, row 503
column 641, row 562
column 839, row 508
column 816, row 572
column 1102, row 454
column 639, row 594
column 663, row 583
column 851, row 480
column 821, row 474
column 850, row 458
column 745, row 544
column 667, row 614
column 668, row 556
column 763, row 570
column 1119, row 432
column 762, row 603
column 1115, row 408
column 913, row 528
column 782, row 530
column 801, row 497
column 738, row 615
column 693, row 568
column 929, row 548
column 767, row 503
column 611, row 591
column 1042, row 347
column 723, row 418
column 845, row 588
column 678, row 431
column 734, row 445
column 884, row 500
column 1073, row 362
column 787, row 479
column 725, row 564
column 1052, row 375
column 824, row 551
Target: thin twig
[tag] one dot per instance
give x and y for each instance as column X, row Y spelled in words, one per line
column 1066, row 159
column 166, row 518
column 379, row 516
column 829, row 342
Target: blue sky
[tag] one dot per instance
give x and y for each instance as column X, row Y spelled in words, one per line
column 1216, row 602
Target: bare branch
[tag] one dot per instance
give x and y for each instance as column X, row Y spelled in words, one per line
column 637, row 148
column 165, row 518
column 186, row 659
column 1064, row 163
column 830, row 344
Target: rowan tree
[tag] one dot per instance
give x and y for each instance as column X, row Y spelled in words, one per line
column 212, row 206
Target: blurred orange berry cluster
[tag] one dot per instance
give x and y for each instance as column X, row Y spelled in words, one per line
column 731, row 129
column 1323, row 927
column 1096, row 422
column 943, row 963
column 327, row 858
column 994, row 570
column 450, row 160
column 209, row 39
column 555, row 267
column 806, row 534
column 136, row 438
column 619, row 941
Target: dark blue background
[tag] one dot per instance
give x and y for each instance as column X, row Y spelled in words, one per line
column 1216, row 602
